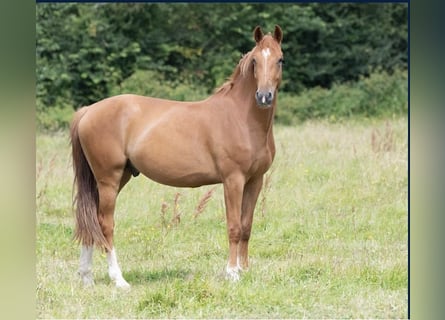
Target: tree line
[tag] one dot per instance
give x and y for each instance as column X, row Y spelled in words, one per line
column 85, row 51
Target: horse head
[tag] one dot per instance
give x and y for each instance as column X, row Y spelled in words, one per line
column 267, row 61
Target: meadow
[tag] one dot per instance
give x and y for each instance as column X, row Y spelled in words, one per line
column 329, row 239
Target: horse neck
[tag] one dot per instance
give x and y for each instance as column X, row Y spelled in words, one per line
column 246, row 108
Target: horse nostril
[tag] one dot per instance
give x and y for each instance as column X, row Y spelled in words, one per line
column 264, row 97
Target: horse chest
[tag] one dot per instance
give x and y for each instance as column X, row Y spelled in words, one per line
column 261, row 161
column 255, row 159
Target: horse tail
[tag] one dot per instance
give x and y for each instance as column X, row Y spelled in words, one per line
column 86, row 199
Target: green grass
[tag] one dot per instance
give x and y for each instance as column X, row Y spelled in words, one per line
column 329, row 238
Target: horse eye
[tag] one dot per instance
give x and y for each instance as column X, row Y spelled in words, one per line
column 281, row 61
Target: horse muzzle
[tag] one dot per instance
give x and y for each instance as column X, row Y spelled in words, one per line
column 264, row 98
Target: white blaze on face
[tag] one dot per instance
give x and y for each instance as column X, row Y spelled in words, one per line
column 266, row 54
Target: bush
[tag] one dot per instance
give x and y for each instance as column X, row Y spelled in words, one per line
column 379, row 95
column 54, row 118
column 153, row 84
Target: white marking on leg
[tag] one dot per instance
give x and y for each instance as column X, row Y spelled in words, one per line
column 114, row 271
column 233, row 273
column 86, row 262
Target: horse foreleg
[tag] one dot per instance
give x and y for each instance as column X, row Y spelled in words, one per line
column 233, row 191
column 251, row 191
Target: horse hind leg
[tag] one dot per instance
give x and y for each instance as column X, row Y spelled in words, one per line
column 86, row 263
column 114, row 270
column 107, row 199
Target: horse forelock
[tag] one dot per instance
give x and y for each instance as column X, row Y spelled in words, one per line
column 245, row 62
column 268, row 41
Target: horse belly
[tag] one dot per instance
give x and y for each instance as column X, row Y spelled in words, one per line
column 182, row 179
column 176, row 173
column 172, row 161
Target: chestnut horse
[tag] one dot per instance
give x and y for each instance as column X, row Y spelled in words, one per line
column 226, row 138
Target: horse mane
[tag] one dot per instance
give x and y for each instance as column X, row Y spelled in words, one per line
column 241, row 69
column 243, row 66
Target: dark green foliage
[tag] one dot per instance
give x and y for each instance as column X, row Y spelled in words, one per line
column 379, row 95
column 85, row 52
column 81, row 55
column 151, row 83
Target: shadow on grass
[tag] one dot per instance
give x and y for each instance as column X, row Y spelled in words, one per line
column 139, row 276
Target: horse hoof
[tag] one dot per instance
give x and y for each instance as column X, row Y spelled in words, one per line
column 88, row 283
column 122, row 284
column 232, row 274
column 87, row 279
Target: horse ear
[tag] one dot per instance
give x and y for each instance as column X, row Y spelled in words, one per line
column 258, row 34
column 278, row 33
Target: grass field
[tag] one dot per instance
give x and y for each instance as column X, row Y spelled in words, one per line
column 329, row 238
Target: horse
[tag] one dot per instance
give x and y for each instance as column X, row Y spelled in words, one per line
column 226, row 138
